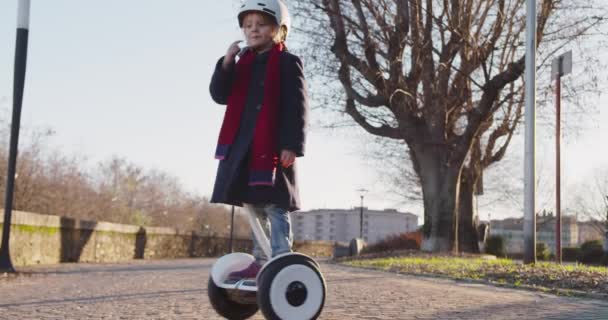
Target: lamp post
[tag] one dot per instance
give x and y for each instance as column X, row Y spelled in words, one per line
column 23, row 21
column 362, row 193
column 530, row 144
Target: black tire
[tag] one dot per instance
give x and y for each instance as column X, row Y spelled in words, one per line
column 270, row 273
column 226, row 307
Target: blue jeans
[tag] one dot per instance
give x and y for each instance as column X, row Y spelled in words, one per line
column 277, row 226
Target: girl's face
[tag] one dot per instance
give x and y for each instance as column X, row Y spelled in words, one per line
column 259, row 31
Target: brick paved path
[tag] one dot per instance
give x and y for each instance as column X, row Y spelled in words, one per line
column 177, row 290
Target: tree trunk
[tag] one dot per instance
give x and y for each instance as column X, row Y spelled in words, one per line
column 440, row 181
column 468, row 236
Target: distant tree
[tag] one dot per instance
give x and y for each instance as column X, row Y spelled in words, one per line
column 116, row 190
column 590, row 199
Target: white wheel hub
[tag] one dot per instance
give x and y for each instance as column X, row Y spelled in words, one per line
column 305, row 280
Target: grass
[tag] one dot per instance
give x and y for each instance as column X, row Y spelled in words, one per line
column 544, row 276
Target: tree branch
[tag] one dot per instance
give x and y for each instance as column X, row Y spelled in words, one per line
column 384, row 130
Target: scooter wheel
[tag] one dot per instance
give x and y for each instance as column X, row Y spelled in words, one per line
column 291, row 288
column 225, row 307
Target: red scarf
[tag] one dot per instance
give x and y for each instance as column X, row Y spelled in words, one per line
column 264, row 157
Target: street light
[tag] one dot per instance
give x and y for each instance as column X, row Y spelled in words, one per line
column 529, row 148
column 23, row 22
column 362, row 193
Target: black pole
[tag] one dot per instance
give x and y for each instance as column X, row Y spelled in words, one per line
column 18, row 87
column 606, row 213
column 606, row 228
column 231, row 229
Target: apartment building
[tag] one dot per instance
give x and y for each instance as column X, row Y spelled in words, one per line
column 511, row 230
column 344, row 224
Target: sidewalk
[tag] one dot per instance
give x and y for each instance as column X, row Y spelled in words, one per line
column 176, row 289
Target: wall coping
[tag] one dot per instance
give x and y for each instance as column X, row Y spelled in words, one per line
column 55, row 221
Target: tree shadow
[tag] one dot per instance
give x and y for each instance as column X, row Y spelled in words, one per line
column 591, row 309
column 140, row 243
column 108, row 298
column 194, row 244
column 73, row 240
column 102, row 269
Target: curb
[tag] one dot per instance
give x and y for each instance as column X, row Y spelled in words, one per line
column 555, row 291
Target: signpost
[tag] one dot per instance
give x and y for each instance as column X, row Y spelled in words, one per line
column 561, row 66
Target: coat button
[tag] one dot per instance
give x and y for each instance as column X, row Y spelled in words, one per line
column 259, row 106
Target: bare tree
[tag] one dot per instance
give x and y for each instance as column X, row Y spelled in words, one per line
column 50, row 182
column 444, row 78
column 591, row 200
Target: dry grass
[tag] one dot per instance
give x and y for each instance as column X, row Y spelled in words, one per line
column 546, row 276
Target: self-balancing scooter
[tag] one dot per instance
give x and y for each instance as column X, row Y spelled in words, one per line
column 288, row 287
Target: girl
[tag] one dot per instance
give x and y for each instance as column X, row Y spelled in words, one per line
column 264, row 126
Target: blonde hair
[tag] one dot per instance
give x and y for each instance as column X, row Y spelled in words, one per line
column 281, row 35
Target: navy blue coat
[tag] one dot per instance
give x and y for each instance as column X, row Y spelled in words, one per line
column 231, row 183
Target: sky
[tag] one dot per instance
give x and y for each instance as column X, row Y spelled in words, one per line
column 130, row 78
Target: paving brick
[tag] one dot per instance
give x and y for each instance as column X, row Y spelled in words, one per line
column 176, row 289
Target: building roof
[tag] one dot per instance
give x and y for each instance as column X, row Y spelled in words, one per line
column 543, row 222
column 357, row 210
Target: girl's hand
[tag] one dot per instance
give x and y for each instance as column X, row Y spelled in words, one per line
column 287, row 158
column 233, row 50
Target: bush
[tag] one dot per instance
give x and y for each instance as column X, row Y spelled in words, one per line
column 401, row 241
column 496, row 245
column 591, row 252
column 571, row 254
column 542, row 252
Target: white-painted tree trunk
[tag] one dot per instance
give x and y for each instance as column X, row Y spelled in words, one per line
column 440, row 186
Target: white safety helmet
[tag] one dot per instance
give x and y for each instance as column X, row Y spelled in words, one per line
column 274, row 8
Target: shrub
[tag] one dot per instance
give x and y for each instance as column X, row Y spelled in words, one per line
column 401, row 241
column 591, row 252
column 571, row 254
column 496, row 245
column 542, row 252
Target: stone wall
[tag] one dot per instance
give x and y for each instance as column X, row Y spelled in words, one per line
column 48, row 239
